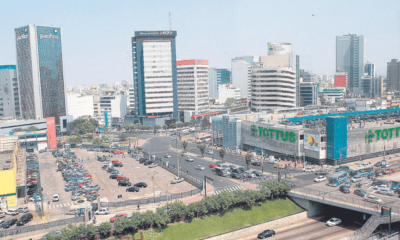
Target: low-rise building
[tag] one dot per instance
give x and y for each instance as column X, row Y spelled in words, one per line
column 228, row 91
column 79, row 105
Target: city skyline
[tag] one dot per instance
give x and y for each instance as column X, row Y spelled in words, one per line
column 217, row 31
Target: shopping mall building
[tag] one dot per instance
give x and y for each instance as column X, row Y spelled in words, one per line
column 331, row 138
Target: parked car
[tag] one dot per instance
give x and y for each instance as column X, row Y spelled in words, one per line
column 356, row 179
column 12, row 212
column 333, row 222
column 389, row 171
column 381, row 187
column 189, row 159
column 366, row 164
column 25, row 219
column 266, row 233
column 256, row 163
column 320, row 179
column 2, row 215
column 372, row 199
column 10, row 223
column 118, row 216
column 177, row 180
column 361, row 192
column 118, row 165
column 385, row 192
column 199, row 167
column 236, row 175
column 120, row 178
column 141, row 185
column 102, row 211
column 23, row 209
column 132, row 189
column 344, row 189
column 153, row 165
column 124, row 183
column 257, row 173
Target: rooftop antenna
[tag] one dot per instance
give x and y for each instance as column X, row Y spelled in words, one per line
column 170, row 20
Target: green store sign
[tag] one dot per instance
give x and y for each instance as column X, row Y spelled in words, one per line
column 381, row 134
column 269, row 132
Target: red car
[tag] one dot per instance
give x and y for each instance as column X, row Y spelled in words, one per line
column 256, row 163
column 91, row 193
column 118, row 152
column 120, row 178
column 87, row 182
column 388, row 171
column 212, row 165
column 118, row 216
column 88, row 175
column 33, row 179
column 115, row 162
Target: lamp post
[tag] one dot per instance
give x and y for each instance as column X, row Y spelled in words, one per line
column 152, row 178
column 177, row 152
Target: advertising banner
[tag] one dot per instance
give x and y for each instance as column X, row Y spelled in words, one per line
column 311, row 142
column 51, row 132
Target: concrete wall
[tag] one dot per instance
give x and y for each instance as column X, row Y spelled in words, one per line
column 260, row 227
column 313, row 208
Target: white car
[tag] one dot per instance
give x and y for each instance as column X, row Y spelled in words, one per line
column 385, row 192
column 103, row 211
column 356, row 179
column 12, row 212
column 167, row 156
column 273, row 161
column 189, row 159
column 210, row 152
column 56, row 198
column 372, row 199
column 308, row 169
column 320, row 179
column 153, row 165
column 333, row 222
column 199, row 167
column 177, row 180
column 382, row 187
column 367, row 164
column 23, row 209
column 32, row 199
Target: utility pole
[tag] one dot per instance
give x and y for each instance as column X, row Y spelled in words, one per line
column 205, row 184
column 212, row 144
column 177, row 153
column 262, row 160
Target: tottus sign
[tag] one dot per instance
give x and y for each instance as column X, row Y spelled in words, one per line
column 271, row 133
column 381, row 134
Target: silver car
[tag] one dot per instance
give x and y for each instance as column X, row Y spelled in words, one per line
column 189, row 159
column 177, row 180
column 199, row 167
column 385, row 192
column 356, row 179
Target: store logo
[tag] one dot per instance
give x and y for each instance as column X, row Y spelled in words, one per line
column 253, row 130
column 22, row 37
column 166, row 33
column 369, row 137
column 52, row 36
column 269, row 132
column 270, row 48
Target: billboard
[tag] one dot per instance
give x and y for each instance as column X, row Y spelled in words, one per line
column 311, row 142
column 340, row 81
column 279, row 48
column 51, row 132
column 192, row 62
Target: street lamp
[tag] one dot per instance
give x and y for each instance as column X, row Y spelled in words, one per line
column 152, row 178
column 177, row 152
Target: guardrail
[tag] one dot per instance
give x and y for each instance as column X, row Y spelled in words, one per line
column 38, row 227
column 163, row 198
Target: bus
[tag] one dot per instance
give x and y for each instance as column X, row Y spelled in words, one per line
column 337, row 178
column 205, row 138
column 362, row 171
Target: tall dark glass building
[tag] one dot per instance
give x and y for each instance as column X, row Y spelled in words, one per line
column 40, row 72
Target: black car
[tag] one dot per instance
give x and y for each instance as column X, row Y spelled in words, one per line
column 344, row 189
column 118, row 165
column 132, row 189
column 25, row 219
column 361, row 192
column 141, row 185
column 10, row 223
column 266, row 233
column 321, row 172
column 257, row 173
column 124, row 183
column 242, row 169
column 236, row 175
column 142, row 160
column 30, row 192
column 114, row 176
column 236, row 170
column 91, row 198
column 380, row 182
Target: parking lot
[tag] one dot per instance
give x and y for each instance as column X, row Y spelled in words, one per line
column 53, row 183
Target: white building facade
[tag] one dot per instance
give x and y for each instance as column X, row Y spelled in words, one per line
column 241, row 74
column 193, row 86
column 9, row 93
column 79, row 105
column 228, row 91
column 113, row 108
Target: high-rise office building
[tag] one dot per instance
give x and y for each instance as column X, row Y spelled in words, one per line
column 193, row 86
column 154, row 74
column 241, row 74
column 308, row 94
column 40, row 72
column 393, row 75
column 367, row 86
column 350, row 55
column 297, row 81
column 274, row 79
column 369, row 69
column 217, row 76
column 308, row 76
column 9, row 93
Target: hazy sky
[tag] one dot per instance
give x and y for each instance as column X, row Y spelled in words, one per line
column 96, row 34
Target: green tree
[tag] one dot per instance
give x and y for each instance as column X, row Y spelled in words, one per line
column 75, row 140
column 202, row 149
column 172, row 125
column 97, row 141
column 156, row 128
column 105, row 229
column 231, row 102
column 179, row 125
column 222, row 153
column 161, row 218
column 123, row 137
column 205, row 123
column 127, row 127
column 177, row 210
column 247, row 159
column 31, row 129
column 184, row 145
column 165, row 127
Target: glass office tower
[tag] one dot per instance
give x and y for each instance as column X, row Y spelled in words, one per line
column 40, row 72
